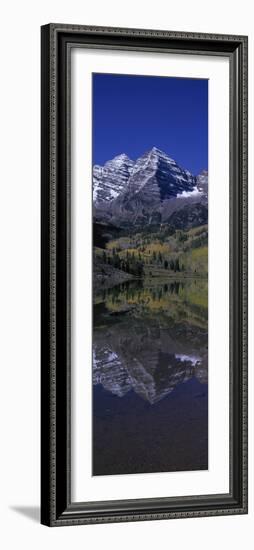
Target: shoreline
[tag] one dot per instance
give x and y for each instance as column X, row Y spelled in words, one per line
column 109, row 284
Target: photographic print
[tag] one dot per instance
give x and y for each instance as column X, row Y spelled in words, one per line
column 135, row 349
column 131, row 212
column 150, row 274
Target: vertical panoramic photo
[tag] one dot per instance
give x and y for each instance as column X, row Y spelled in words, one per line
column 150, row 274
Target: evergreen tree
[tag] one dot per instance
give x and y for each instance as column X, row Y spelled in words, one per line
column 177, row 266
column 104, row 257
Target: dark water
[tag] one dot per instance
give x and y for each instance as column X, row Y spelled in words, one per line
column 150, row 393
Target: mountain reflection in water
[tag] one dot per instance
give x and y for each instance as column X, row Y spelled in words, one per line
column 150, row 346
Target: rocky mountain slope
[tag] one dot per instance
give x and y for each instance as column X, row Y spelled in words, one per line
column 110, row 180
column 147, row 359
column 148, row 191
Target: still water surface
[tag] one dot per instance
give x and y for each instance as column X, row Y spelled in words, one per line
column 150, row 392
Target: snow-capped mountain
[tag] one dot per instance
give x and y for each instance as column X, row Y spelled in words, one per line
column 148, row 190
column 154, row 174
column 110, row 180
column 130, row 360
column 202, row 183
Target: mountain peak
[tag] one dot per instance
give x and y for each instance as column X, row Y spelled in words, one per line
column 203, row 172
column 119, row 162
column 111, row 179
column 158, row 152
column 123, row 157
column 153, row 178
column 155, row 151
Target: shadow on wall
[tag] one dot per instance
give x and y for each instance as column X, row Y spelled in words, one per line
column 31, row 512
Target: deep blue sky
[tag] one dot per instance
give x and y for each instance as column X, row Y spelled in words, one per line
column 131, row 114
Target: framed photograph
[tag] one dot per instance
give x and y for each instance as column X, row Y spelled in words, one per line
column 144, row 275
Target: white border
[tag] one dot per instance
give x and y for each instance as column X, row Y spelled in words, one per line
column 216, row 479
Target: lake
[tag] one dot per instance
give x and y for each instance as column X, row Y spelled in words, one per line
column 150, row 377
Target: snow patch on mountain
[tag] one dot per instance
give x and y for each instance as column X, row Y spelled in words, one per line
column 187, row 194
column 193, row 359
